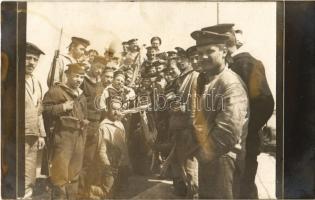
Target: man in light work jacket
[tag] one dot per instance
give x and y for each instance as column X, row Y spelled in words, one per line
column 221, row 118
column 34, row 126
column 76, row 52
column 252, row 72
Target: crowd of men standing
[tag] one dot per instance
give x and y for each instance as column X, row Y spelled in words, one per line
column 190, row 115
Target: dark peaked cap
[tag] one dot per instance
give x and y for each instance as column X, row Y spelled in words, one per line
column 219, row 28
column 82, row 41
column 78, row 68
column 171, row 54
column 191, row 51
column 132, row 40
column 32, row 48
column 180, row 52
column 207, row 37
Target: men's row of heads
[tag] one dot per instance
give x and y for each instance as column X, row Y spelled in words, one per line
column 225, row 35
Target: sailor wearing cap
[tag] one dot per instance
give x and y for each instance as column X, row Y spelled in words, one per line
column 65, row 110
column 76, row 51
column 148, row 63
column 221, row 123
column 92, row 88
column 34, row 126
column 181, row 127
column 252, row 72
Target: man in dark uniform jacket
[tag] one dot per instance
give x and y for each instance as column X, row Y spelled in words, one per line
column 261, row 101
column 184, row 166
column 65, row 107
column 92, row 87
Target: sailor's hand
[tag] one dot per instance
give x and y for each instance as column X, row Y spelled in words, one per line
column 40, row 143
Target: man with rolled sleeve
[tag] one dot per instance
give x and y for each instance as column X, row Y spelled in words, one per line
column 34, row 127
column 220, row 119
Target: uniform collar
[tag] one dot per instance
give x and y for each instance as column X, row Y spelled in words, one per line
column 76, row 93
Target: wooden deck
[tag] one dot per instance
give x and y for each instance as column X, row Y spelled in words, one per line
column 150, row 188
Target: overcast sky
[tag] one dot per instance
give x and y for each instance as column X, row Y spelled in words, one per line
column 106, row 22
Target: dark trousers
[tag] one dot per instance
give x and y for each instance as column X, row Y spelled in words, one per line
column 261, row 111
column 66, row 192
column 248, row 188
column 184, row 167
column 217, row 178
column 67, row 163
column 89, row 173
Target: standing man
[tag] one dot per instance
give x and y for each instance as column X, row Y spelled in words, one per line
column 92, row 87
column 156, row 43
column 221, row 123
column 66, row 109
column 148, row 63
column 76, row 52
column 34, row 126
column 261, row 101
column 184, row 165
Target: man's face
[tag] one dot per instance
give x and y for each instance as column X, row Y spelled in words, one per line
column 119, row 82
column 173, row 69
column 146, row 83
column 107, row 78
column 74, row 80
column 133, row 46
column 151, row 53
column 114, row 111
column 125, row 47
column 193, row 59
column 78, row 51
column 91, row 56
column 96, row 69
column 210, row 57
column 160, row 68
column 155, row 44
column 182, row 63
column 168, row 77
column 152, row 70
column 31, row 62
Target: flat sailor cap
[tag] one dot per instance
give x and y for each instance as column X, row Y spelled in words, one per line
column 32, row 48
column 207, row 37
column 79, row 40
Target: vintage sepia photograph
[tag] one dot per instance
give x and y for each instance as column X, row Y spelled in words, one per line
column 150, row 100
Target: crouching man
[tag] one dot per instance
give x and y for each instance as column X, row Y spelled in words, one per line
column 112, row 153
